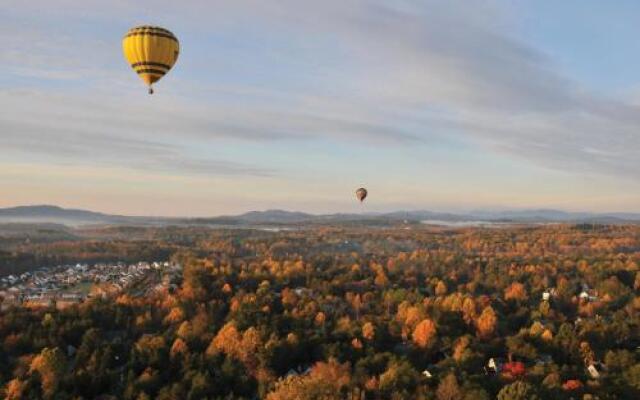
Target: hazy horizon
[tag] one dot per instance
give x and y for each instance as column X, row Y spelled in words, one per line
column 442, row 106
column 364, row 211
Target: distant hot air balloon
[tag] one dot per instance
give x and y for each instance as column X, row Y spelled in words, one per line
column 151, row 51
column 361, row 194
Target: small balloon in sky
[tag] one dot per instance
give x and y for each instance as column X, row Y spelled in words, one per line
column 361, row 194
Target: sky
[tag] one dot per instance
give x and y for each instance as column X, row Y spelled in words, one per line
column 442, row 105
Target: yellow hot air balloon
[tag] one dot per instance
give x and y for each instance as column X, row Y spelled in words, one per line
column 151, row 51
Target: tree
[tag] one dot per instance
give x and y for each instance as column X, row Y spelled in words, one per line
column 368, row 331
column 325, row 382
column 486, row 323
column 248, row 349
column 320, row 318
column 588, row 356
column 198, row 281
column 468, row 310
column 381, row 279
column 448, row 389
column 461, row 348
column 516, row 291
column 175, row 315
column 519, row 390
column 332, row 371
column 632, row 376
column 151, row 350
column 424, row 333
column 297, row 387
column 50, row 364
column 14, row 389
column 400, row 378
column 414, row 316
column 179, row 347
column 226, row 341
column 441, row 288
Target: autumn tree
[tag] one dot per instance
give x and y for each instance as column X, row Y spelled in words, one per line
column 424, row 333
column 226, row 341
column 448, row 389
column 518, row 390
column 50, row 365
column 198, row 281
column 461, row 349
column 326, row 381
column 248, row 351
column 175, row 315
column 400, row 379
column 368, row 331
column 14, row 390
column 320, row 319
column 179, row 347
column 469, row 310
column 516, row 291
column 486, row 323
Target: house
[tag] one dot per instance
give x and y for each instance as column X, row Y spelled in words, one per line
column 494, row 366
column 596, row 369
column 299, row 371
column 514, row 369
column 427, row 374
column 588, row 295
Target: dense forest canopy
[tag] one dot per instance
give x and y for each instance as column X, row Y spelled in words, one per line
column 548, row 312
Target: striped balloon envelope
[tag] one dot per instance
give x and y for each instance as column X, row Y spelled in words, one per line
column 151, row 51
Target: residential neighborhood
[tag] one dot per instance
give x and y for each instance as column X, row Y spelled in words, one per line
column 64, row 285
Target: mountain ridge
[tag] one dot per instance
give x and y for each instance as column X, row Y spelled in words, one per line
column 70, row 216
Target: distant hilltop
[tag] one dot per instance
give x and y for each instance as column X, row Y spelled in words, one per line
column 75, row 217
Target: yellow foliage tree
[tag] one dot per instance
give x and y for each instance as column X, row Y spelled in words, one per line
column 441, row 288
column 424, row 334
column 368, row 331
column 486, row 323
column 469, row 310
column 516, row 291
column 324, row 382
column 460, row 349
column 50, row 364
column 226, row 341
column 414, row 315
column 179, row 347
column 175, row 315
column 14, row 389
